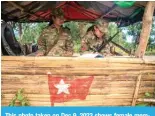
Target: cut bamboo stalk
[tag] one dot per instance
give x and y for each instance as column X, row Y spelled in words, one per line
column 84, row 103
column 73, row 71
column 95, row 84
column 136, row 90
column 90, row 97
column 117, row 101
column 146, row 100
column 16, row 77
column 92, row 91
column 70, row 59
column 63, row 65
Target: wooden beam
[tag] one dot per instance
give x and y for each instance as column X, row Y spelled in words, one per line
column 146, row 29
column 140, row 3
column 22, row 9
column 32, row 4
column 16, row 5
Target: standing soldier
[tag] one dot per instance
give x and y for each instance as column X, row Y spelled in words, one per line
column 95, row 37
column 55, row 40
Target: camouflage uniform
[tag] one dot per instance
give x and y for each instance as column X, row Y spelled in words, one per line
column 55, row 43
column 90, row 42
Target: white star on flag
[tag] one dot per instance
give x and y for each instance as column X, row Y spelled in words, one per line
column 62, row 87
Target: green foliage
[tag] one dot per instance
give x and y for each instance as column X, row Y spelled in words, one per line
column 150, row 52
column 77, row 46
column 135, row 30
column 78, row 30
column 75, row 33
column 119, row 39
column 30, row 32
column 147, row 95
column 2, row 96
column 142, row 104
column 19, row 96
column 73, row 26
column 112, row 30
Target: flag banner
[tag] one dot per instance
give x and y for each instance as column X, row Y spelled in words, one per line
column 78, row 111
column 64, row 89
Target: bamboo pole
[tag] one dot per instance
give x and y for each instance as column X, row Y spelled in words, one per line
column 82, row 103
column 88, row 98
column 22, row 9
column 92, row 91
column 146, row 29
column 147, row 60
column 72, row 64
column 136, row 90
column 72, row 71
column 146, row 100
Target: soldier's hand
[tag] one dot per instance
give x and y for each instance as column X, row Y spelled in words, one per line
column 40, row 54
column 68, row 53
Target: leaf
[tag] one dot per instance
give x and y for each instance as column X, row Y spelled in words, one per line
column 20, row 91
column 12, row 103
column 27, row 103
column 20, row 97
column 23, row 103
column 142, row 104
column 147, row 94
column 2, row 96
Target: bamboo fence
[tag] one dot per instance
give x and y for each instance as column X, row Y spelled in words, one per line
column 119, row 81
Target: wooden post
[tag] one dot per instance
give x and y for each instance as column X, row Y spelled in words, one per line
column 136, row 90
column 146, row 29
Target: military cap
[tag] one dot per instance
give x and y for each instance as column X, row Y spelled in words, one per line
column 102, row 24
column 57, row 12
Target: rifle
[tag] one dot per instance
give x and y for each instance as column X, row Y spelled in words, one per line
column 105, row 43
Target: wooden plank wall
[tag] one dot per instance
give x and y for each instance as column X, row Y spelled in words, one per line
column 114, row 83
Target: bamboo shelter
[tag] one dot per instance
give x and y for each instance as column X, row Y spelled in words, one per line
column 118, row 81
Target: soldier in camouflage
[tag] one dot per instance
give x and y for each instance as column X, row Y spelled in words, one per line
column 94, row 38
column 55, row 40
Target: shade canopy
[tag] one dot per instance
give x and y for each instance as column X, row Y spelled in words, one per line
column 125, row 13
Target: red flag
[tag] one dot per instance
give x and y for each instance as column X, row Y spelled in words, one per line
column 63, row 89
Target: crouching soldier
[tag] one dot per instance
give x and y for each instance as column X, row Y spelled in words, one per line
column 95, row 37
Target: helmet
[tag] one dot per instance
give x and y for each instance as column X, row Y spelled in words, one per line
column 57, row 12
